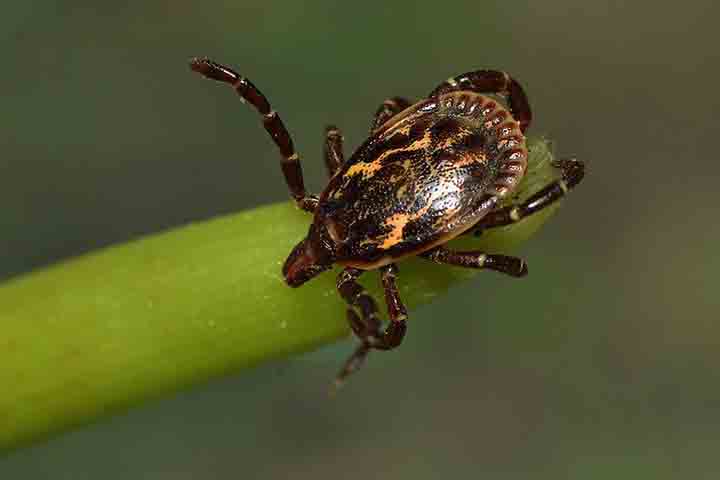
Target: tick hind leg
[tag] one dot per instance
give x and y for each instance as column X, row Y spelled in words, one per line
column 513, row 266
column 573, row 172
column 366, row 325
column 290, row 163
column 494, row 82
column 388, row 109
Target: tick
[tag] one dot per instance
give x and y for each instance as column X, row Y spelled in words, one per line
column 429, row 171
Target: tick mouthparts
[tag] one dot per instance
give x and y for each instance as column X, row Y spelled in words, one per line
column 302, row 264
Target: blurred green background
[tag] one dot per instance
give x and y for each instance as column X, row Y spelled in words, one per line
column 603, row 363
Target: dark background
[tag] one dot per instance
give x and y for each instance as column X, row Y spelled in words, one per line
column 603, row 363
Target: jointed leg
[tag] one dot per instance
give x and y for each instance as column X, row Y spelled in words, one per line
column 272, row 122
column 388, row 109
column 334, row 141
column 512, row 266
column 334, row 157
column 367, row 325
column 492, row 81
column 572, row 173
column 396, row 309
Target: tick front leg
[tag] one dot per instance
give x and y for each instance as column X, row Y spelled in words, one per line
column 272, row 122
column 573, row 172
column 513, row 266
column 495, row 82
column 388, row 109
column 334, row 156
column 367, row 325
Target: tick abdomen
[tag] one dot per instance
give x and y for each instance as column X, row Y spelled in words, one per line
column 423, row 177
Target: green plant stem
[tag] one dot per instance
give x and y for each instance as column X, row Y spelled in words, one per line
column 105, row 331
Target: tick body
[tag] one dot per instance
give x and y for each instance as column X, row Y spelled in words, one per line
column 429, row 171
column 422, row 178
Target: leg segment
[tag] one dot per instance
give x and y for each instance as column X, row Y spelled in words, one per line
column 572, row 173
column 333, row 149
column 271, row 120
column 334, row 140
column 367, row 326
column 396, row 309
column 388, row 109
column 492, row 81
column 513, row 266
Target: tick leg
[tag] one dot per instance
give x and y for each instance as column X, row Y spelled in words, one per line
column 334, row 156
column 513, row 266
column 290, row 163
column 495, row 82
column 388, row 109
column 367, row 325
column 396, row 308
column 572, row 173
column 334, row 140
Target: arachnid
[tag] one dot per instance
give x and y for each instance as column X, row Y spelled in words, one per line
column 429, row 171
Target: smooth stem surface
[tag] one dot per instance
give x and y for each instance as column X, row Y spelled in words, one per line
column 97, row 334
